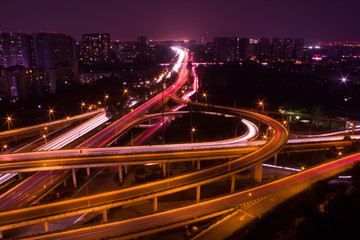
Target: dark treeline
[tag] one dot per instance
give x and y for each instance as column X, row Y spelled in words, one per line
column 316, row 89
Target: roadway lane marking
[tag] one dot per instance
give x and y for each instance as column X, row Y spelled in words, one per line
column 247, row 214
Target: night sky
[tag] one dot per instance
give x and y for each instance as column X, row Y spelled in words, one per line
column 314, row 20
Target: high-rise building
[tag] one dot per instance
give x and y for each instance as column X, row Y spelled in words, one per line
column 35, row 83
column 4, row 49
column 125, row 51
column 15, row 50
column 142, row 40
column 288, row 48
column 15, row 75
column 298, row 48
column 276, row 48
column 264, row 48
column 95, row 48
column 52, row 49
column 254, row 50
column 244, row 48
column 4, row 88
column 226, row 49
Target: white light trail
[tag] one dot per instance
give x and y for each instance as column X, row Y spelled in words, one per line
column 74, row 134
column 6, row 177
column 282, row 167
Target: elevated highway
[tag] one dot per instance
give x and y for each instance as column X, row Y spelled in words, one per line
column 28, row 131
column 161, row 221
column 103, row 202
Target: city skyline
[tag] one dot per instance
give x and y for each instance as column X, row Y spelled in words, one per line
column 314, row 21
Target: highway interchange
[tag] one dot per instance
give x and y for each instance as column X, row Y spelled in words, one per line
column 243, row 153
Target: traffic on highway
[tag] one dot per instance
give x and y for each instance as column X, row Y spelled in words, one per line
column 244, row 152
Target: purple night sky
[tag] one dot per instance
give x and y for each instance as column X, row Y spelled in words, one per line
column 317, row 20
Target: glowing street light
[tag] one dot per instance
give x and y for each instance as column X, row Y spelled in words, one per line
column 192, row 134
column 352, row 128
column 261, row 104
column 51, row 112
column 82, row 107
column 4, row 147
column 44, row 137
column 106, row 97
column 205, row 96
column 8, row 121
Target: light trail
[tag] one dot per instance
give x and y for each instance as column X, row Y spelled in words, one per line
column 6, row 177
column 27, row 190
column 321, row 139
column 74, row 134
column 48, row 124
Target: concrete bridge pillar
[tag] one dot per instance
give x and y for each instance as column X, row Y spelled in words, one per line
column 104, row 214
column 275, row 159
column 120, row 174
column 155, row 204
column 74, row 177
column 46, row 224
column 198, row 165
column 258, row 172
column 88, row 171
column 126, row 169
column 233, row 183
column 198, row 193
column 164, row 169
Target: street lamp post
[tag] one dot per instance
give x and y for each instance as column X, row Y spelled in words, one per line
column 192, row 134
column 8, row 120
column 162, row 110
column 261, row 104
column 287, row 125
column 205, row 96
column 82, row 106
column 4, row 148
column 105, row 99
column 352, row 128
column 51, row 112
column 44, row 137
